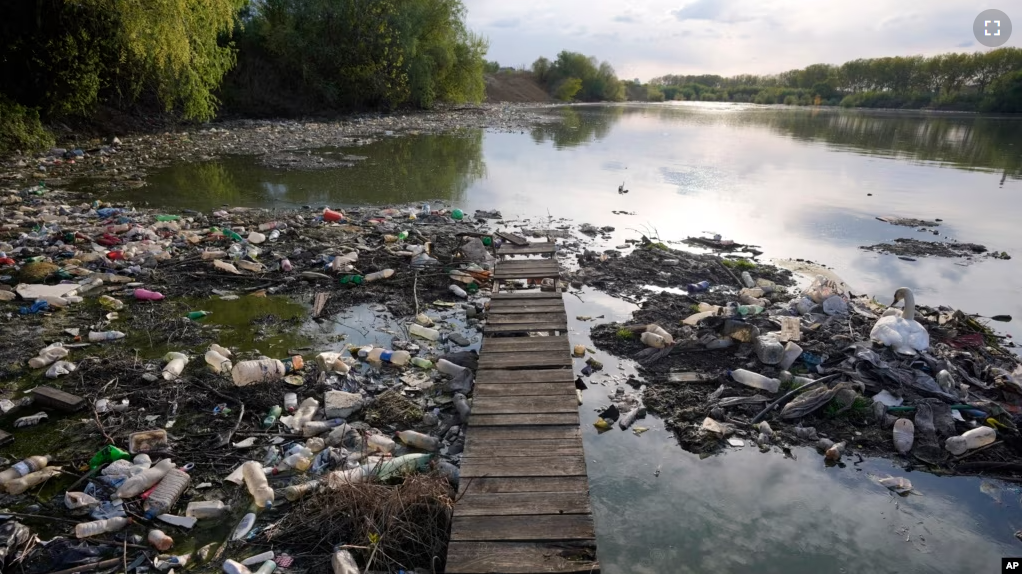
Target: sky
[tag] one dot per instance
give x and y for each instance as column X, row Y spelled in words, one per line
column 656, row 37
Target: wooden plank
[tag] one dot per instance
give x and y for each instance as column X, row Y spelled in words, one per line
column 537, row 248
column 478, row 485
column 524, row 302
column 494, row 318
column 555, row 308
column 523, row 405
column 485, row 376
column 525, row 360
column 526, row 274
column 524, row 466
column 524, row 389
column 523, row 504
column 527, row 263
column 506, row 328
column 57, row 399
column 319, row 301
column 522, row 528
column 512, row 238
column 563, row 433
column 522, row 558
column 526, row 294
column 525, row 344
column 475, row 448
column 524, row 419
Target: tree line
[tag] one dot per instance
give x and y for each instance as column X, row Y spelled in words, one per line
column 574, row 76
column 983, row 81
column 61, row 60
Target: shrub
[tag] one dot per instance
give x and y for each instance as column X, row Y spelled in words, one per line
column 20, row 128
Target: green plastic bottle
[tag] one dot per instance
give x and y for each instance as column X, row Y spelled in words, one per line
column 230, row 233
column 165, row 217
column 351, row 280
column 108, row 454
column 198, row 315
column 272, row 416
column 488, row 241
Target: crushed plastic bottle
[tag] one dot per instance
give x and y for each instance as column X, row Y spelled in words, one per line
column 144, row 480
column 769, row 350
column 419, row 440
column 255, row 482
column 97, row 527
column 100, row 336
column 175, row 365
column 166, row 494
column 755, row 380
column 427, row 333
column 653, row 340
column 902, row 435
column 969, row 440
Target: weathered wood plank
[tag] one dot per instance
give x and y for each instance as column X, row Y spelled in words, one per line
column 476, row 448
column 522, row 405
column 537, row 248
column 525, row 344
column 512, row 238
column 525, row 360
column 524, row 466
column 522, row 528
column 524, row 419
column 522, row 558
column 524, row 294
column 527, row 263
column 497, row 318
column 524, row 484
column 485, row 376
column 556, row 432
column 523, row 306
column 523, row 504
column 524, row 389
column 57, row 399
column 502, row 328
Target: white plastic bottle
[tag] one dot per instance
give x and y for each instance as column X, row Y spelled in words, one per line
column 160, row 540
column 166, row 494
column 747, row 280
column 755, row 380
column 316, row 428
column 142, row 481
column 290, row 402
column 653, row 340
column 385, row 274
column 175, row 365
column 658, row 330
column 100, row 336
column 305, row 413
column 970, row 440
column 902, row 435
column 379, row 442
column 262, row 370
column 255, row 482
column 458, row 291
column 418, row 330
column 419, row 440
column 97, row 527
column 27, row 466
column 448, row 368
column 218, row 362
column 398, row 358
column 20, row 485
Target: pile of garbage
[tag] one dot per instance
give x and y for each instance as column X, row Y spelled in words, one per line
column 216, row 455
column 736, row 356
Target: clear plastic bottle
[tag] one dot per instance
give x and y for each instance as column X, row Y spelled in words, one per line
column 175, row 365
column 27, row 466
column 398, row 358
column 271, row 417
column 448, row 368
column 111, row 303
column 419, row 440
column 97, row 527
column 100, row 336
column 658, row 330
column 244, row 526
column 385, row 274
column 204, row 509
column 20, row 485
column 166, row 494
column 316, row 428
column 380, row 443
column 755, row 380
column 902, row 435
column 217, row 362
column 262, row 371
column 297, row 491
column 342, row 562
column 653, row 340
column 158, row 539
column 255, row 482
column 305, row 413
column 458, row 291
column 418, row 330
column 834, row 454
column 747, row 279
column 769, row 350
column 967, row 441
column 290, row 402
column 144, row 480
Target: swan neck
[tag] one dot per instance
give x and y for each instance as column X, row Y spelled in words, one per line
column 909, row 312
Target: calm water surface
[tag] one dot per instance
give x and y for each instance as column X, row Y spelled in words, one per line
column 801, row 184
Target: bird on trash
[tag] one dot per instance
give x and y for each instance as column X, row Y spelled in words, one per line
column 901, row 331
column 621, row 188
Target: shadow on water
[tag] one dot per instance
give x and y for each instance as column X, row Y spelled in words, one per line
column 397, row 170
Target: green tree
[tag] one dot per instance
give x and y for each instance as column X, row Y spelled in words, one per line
column 541, row 70
column 568, row 88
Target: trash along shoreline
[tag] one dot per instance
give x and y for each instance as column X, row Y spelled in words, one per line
column 732, row 355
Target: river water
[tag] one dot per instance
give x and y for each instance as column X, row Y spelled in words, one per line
column 800, row 184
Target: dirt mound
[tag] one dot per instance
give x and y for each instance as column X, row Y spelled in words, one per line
column 514, row 87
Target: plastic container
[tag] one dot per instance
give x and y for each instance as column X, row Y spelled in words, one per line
column 111, row 303
column 749, row 310
column 458, row 291
column 263, row 370
column 217, row 362
column 20, row 485
column 316, row 428
column 755, row 380
column 166, row 494
column 297, row 491
column 969, row 440
column 244, row 526
column 97, row 527
column 290, row 402
column 422, row 363
column 834, row 453
column 448, row 368
column 385, row 274
column 342, row 562
column 100, row 336
column 398, row 358
column 256, row 238
column 658, row 330
column 205, row 509
column 653, row 340
column 26, row 466
column 698, row 287
column 902, row 435
column 255, row 482
column 175, row 365
column 258, row 558
column 228, row 267
column 141, row 482
column 422, row 332
column 158, row 539
column 271, row 417
column 747, row 280
column 48, row 356
column 769, row 350
column 147, row 441
column 791, row 352
column 147, row 295
column 305, row 413
column 419, row 440
column 331, row 215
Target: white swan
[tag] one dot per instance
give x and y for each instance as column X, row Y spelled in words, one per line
column 901, row 332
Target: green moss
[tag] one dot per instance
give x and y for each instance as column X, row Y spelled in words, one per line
column 625, row 334
column 741, row 264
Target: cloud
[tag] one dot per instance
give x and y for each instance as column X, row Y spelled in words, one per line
column 713, row 10
column 965, row 44
column 506, row 23
column 625, row 18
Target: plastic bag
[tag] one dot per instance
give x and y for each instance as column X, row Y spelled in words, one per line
column 822, row 288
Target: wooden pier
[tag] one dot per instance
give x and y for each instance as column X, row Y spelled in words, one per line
column 524, row 503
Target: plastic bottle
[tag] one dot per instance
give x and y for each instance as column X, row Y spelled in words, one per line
column 175, row 364
column 792, row 352
column 31, row 420
column 142, row 481
column 417, row 330
column 213, row 254
column 398, row 358
column 111, row 303
column 653, row 340
column 419, row 440
column 272, row 416
column 834, row 453
column 147, row 295
column 755, row 380
column 720, row 343
column 314, row 428
column 204, row 509
column 946, row 382
column 658, row 330
column 274, row 235
column 458, row 291
column 749, row 310
column 48, row 355
column 769, row 350
column 422, row 363
column 20, row 485
column 448, row 368
column 198, row 315
column 902, row 435
column 244, row 526
column 256, row 237
column 297, row 491
column 100, row 336
column 969, row 440
column 462, row 406
column 331, row 215
column 747, row 280
column 263, row 370
column 385, row 274
column 97, row 527
column 159, row 540
column 290, row 402
column 255, row 482
column 166, row 494
column 217, row 362
column 26, row 466
column 698, row 287
column 342, row 562
column 258, row 558
column 286, row 265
